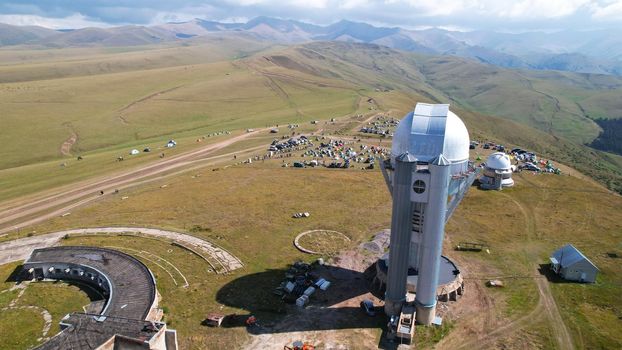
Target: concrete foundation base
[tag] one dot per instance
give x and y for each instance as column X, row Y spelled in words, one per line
column 393, row 308
column 425, row 314
column 450, row 281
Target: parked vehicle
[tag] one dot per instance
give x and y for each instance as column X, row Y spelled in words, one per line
column 530, row 166
column 368, row 306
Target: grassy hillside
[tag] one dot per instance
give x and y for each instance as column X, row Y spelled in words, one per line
column 560, row 103
column 28, row 64
column 541, row 213
column 524, row 116
column 111, row 108
column 105, row 98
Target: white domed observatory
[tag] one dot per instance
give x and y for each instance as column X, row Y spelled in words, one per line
column 428, row 175
column 498, row 171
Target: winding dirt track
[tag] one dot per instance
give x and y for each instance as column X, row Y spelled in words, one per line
column 562, row 336
column 17, row 214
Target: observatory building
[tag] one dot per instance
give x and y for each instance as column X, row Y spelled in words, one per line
column 128, row 317
column 498, row 171
column 428, row 174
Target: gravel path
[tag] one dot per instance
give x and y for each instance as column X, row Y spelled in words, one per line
column 20, row 249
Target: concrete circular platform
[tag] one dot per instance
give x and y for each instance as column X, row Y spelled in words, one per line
column 450, row 282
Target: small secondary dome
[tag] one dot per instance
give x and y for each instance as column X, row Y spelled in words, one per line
column 497, row 172
column 498, row 161
column 430, row 130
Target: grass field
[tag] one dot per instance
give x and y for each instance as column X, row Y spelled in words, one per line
column 153, row 103
column 242, row 208
column 525, row 224
column 27, row 322
column 17, row 318
column 57, row 298
column 115, row 99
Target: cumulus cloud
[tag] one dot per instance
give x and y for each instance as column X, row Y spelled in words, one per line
column 475, row 14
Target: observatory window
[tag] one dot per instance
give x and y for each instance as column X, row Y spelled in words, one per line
column 419, row 186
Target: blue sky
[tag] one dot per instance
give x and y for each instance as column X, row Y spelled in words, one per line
column 518, row 15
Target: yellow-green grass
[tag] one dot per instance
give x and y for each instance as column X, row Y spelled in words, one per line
column 27, row 179
column 112, row 109
column 205, row 106
column 20, row 328
column 5, row 272
column 248, row 211
column 315, row 81
column 7, row 297
column 57, row 298
column 24, row 180
column 26, row 64
column 242, row 208
column 537, row 334
column 549, row 101
column 525, row 224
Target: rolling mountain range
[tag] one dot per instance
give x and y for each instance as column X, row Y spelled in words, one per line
column 597, row 52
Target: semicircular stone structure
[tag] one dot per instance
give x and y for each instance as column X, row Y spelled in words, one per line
column 129, row 314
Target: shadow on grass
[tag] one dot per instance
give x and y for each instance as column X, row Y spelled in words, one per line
column 335, row 308
column 18, row 275
column 546, row 271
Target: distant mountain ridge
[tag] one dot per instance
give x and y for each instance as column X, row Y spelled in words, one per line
column 598, row 52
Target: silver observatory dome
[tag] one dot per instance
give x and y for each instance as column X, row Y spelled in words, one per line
column 498, row 161
column 431, row 130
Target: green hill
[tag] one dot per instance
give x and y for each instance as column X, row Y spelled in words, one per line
column 549, row 112
column 124, row 97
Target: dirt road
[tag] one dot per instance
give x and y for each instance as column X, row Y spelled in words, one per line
column 66, row 198
column 560, row 331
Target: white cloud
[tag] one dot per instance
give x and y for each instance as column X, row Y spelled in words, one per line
column 476, row 14
column 543, row 9
column 608, row 11
column 521, row 9
column 317, row 4
column 70, row 22
column 352, row 4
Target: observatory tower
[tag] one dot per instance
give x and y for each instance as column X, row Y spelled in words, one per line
column 428, row 174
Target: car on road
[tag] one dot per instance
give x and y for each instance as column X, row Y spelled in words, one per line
column 368, row 306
